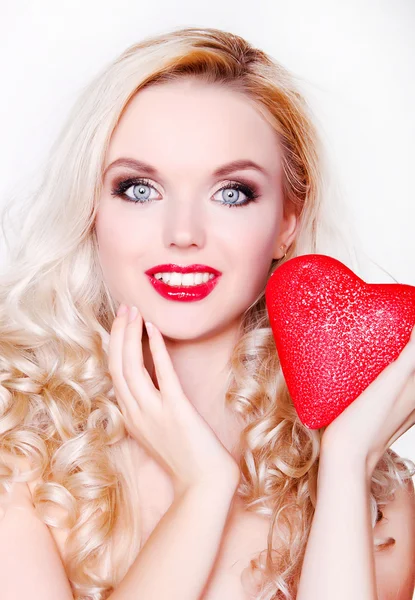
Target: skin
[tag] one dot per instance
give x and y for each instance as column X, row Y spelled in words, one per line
column 186, row 130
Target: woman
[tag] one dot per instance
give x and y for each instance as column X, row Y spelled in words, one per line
column 160, row 461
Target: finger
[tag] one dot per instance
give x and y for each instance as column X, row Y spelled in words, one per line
column 393, row 378
column 402, row 390
column 115, row 365
column 136, row 375
column 167, row 378
column 406, row 357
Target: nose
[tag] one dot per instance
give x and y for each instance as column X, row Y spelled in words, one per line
column 184, row 224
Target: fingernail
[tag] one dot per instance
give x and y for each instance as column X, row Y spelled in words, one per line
column 122, row 309
column 149, row 328
column 133, row 313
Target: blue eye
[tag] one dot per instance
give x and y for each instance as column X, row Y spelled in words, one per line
column 141, row 195
column 250, row 194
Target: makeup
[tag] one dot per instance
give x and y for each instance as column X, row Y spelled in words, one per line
column 183, row 293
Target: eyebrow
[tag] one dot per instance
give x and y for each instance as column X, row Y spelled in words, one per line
column 139, row 165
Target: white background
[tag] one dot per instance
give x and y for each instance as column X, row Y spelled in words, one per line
column 355, row 59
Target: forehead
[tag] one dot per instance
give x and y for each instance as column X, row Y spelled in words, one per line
column 189, row 122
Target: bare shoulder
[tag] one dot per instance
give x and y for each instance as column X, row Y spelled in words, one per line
column 395, row 554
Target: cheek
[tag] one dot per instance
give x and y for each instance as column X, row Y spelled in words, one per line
column 256, row 253
column 117, row 235
column 255, row 265
column 120, row 242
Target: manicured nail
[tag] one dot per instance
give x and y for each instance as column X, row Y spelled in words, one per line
column 149, row 328
column 133, row 313
column 122, row 309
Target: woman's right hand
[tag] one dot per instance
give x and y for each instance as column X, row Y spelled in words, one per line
column 164, row 421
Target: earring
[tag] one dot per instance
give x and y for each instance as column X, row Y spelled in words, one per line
column 282, row 248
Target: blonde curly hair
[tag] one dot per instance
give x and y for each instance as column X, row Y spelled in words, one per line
column 58, row 407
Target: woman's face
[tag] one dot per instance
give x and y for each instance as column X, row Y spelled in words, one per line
column 181, row 215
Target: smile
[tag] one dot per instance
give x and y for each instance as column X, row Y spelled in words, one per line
column 175, row 290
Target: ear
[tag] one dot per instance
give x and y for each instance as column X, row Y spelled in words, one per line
column 288, row 230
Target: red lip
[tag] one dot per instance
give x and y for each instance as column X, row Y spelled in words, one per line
column 179, row 269
column 183, row 293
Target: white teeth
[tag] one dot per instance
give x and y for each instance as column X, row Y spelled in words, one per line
column 175, row 279
column 184, row 279
column 187, row 279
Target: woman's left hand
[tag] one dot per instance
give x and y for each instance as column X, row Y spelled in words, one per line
column 379, row 416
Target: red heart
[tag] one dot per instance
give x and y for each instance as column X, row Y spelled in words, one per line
column 334, row 333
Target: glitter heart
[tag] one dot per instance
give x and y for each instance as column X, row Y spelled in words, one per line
column 334, row 333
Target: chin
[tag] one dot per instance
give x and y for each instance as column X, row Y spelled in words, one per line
column 179, row 334
column 188, row 331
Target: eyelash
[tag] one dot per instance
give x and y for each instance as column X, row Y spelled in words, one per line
column 379, row 516
column 122, row 186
